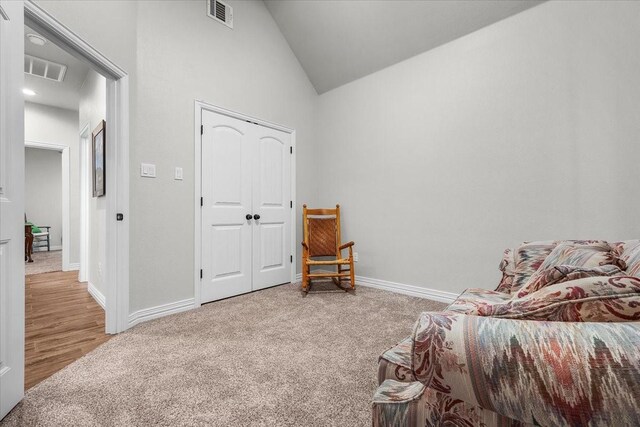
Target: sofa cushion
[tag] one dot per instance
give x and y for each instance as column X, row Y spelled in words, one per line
column 628, row 253
column 580, row 255
column 591, row 299
column 565, row 273
column 527, row 259
column 468, row 301
column 587, row 253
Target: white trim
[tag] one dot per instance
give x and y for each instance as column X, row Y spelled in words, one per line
column 160, row 311
column 74, row 266
column 199, row 106
column 197, row 225
column 57, row 33
column 66, row 202
column 44, row 249
column 66, row 207
column 401, row 288
column 117, row 159
column 97, row 295
column 294, row 210
column 412, row 290
column 84, row 154
column 45, row 145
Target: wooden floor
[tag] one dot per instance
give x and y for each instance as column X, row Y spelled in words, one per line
column 63, row 323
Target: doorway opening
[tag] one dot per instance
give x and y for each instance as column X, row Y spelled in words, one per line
column 47, row 206
column 77, row 297
column 64, row 310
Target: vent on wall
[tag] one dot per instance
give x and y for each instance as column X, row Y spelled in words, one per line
column 42, row 68
column 221, row 12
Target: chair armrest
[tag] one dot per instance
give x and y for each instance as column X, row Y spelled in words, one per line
column 544, row 373
column 346, row 245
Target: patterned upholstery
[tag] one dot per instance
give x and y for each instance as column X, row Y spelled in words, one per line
column 406, row 404
column 507, row 266
column 629, row 256
column 395, row 363
column 565, row 273
column 527, row 258
column 565, row 353
column 322, row 237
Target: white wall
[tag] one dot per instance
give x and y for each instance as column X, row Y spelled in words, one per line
column 43, row 191
column 526, row 129
column 175, row 54
column 92, row 109
column 43, row 123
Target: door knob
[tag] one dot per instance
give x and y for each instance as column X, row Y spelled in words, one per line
column 256, row 216
column 249, row 217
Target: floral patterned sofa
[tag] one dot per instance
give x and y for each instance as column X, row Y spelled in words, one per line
column 557, row 343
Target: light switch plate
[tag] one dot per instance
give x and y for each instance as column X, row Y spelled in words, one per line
column 147, row 170
column 178, row 175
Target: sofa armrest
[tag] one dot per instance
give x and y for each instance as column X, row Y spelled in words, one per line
column 546, row 373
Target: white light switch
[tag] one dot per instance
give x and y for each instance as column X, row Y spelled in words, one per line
column 147, row 170
column 178, row 174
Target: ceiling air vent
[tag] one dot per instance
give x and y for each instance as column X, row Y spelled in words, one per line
column 42, row 68
column 221, row 12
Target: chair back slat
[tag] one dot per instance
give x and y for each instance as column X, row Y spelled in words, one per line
column 322, row 236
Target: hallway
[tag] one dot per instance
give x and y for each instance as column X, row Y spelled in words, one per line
column 63, row 323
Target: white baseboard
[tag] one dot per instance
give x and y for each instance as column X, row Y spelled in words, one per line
column 160, row 311
column 401, row 288
column 44, row 248
column 97, row 295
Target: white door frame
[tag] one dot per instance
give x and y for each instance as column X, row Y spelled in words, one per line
column 201, row 106
column 117, row 159
column 66, row 222
column 83, row 144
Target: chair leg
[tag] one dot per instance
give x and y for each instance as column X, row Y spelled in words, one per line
column 352, row 275
column 305, row 276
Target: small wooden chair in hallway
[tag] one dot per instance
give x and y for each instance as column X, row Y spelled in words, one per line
column 321, row 230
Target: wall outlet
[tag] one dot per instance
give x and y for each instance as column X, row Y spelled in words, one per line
column 147, row 170
column 355, row 256
column 178, row 175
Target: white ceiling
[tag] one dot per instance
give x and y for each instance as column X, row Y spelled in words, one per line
column 339, row 41
column 65, row 94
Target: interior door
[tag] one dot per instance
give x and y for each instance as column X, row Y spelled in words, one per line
column 11, row 205
column 227, row 145
column 271, row 201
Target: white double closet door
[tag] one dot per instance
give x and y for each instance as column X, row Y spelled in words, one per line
column 246, row 213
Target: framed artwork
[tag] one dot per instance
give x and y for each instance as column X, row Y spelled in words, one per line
column 98, row 139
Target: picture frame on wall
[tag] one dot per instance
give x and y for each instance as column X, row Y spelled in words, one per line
column 98, row 145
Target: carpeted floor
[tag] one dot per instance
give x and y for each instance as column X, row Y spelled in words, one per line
column 270, row 358
column 44, row 262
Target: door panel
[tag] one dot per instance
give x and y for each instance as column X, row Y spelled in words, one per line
column 246, row 170
column 271, row 198
column 11, row 205
column 226, row 192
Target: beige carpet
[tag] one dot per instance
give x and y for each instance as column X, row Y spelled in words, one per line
column 44, row 262
column 270, row 358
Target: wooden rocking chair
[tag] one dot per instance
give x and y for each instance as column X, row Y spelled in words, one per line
column 321, row 229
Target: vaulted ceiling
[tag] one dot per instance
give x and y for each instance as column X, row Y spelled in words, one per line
column 339, row 41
